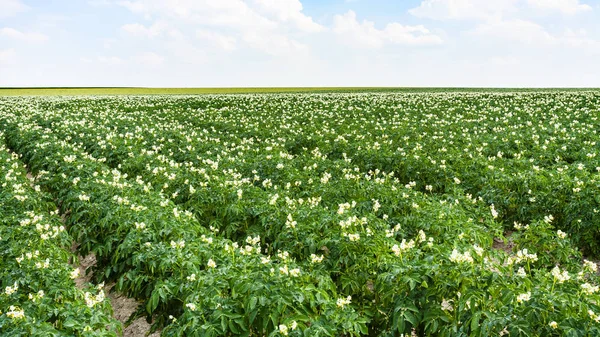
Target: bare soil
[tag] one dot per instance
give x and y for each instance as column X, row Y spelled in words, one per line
column 123, row 306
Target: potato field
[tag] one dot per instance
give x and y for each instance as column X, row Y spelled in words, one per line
column 303, row 214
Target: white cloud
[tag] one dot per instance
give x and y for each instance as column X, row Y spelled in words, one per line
column 463, row 9
column 139, row 30
column 14, row 34
column 568, row 7
column 104, row 60
column 99, row 3
column 503, row 61
column 110, row 60
column 533, row 35
column 234, row 14
column 272, row 27
column 8, row 56
column 366, row 35
column 491, row 9
column 516, row 30
column 149, row 59
column 11, row 8
column 274, row 44
column 289, row 11
column 222, row 41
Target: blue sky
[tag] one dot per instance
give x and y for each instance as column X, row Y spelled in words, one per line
column 224, row 43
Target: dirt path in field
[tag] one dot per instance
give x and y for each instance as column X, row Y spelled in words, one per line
column 123, row 306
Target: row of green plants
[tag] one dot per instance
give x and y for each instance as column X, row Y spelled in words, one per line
column 38, row 294
column 164, row 257
column 456, row 284
column 529, row 154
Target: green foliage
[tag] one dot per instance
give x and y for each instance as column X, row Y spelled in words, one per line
column 331, row 214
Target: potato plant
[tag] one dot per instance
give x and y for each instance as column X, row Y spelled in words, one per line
column 380, row 214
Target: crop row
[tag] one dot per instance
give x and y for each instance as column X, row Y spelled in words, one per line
column 376, row 231
column 163, row 256
column 39, row 296
column 529, row 154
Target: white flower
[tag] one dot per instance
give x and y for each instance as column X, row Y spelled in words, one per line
column 478, row 250
column 590, row 266
column 295, row 272
column 460, row 258
column 521, row 272
column 553, row 325
column 376, row 205
column 283, row 329
column 561, row 234
column 354, row 237
column 178, row 244
column 396, row 250
column 75, row 273
column 524, row 297
column 559, row 276
column 211, row 263
column 342, row 302
column 84, row 197
column 589, row 289
column 191, row 306
column 11, row 290
column 446, row 305
column 494, row 212
column 15, row 313
column 316, row 259
column 290, row 223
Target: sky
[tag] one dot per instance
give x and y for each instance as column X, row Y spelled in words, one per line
column 283, row 43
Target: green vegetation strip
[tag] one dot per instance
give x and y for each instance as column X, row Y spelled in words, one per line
column 353, row 214
column 39, row 297
column 73, row 91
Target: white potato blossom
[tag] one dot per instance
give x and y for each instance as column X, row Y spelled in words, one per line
column 559, row 276
column 447, row 305
column 590, row 266
column 177, row 244
column 91, row 300
column 493, row 211
column 15, row 313
column 524, row 256
column 457, row 257
column 11, row 290
column 342, row 302
column 524, row 297
column 478, row 250
column 211, row 263
column 589, row 289
column 283, row 329
column 376, row 205
column 594, row 316
column 316, row 258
